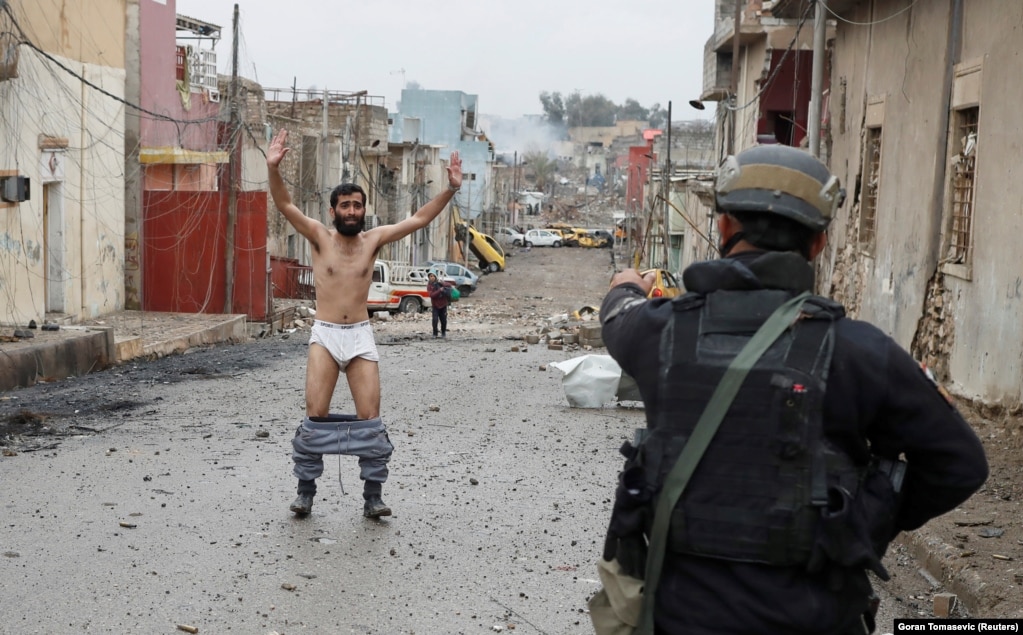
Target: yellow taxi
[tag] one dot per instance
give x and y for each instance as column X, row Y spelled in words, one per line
column 665, row 285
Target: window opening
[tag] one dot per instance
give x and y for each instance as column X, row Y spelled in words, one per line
column 868, row 205
column 964, row 165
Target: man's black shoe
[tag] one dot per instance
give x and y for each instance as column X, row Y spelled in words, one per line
column 375, row 507
column 303, row 504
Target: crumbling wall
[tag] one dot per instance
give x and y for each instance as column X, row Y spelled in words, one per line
column 935, row 332
column 848, row 267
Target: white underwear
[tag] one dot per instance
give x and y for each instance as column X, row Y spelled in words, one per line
column 345, row 342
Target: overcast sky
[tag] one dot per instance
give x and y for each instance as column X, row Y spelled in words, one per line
column 505, row 51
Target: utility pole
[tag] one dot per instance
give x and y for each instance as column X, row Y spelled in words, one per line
column 733, row 90
column 820, row 28
column 321, row 190
column 468, row 215
column 234, row 166
column 294, row 94
column 666, row 178
column 515, row 189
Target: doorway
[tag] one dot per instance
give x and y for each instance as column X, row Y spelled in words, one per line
column 54, row 248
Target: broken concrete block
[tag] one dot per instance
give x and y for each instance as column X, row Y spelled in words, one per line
column 944, row 603
column 555, row 347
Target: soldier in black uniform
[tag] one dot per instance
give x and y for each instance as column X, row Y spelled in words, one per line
column 836, row 441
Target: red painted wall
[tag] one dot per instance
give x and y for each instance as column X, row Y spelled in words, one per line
column 789, row 92
column 183, row 247
column 639, row 165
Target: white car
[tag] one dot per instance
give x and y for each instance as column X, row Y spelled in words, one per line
column 508, row 236
column 542, row 238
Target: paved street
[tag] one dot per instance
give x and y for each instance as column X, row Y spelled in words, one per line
column 155, row 493
column 500, row 498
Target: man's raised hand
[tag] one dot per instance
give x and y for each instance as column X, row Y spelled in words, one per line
column 455, row 171
column 278, row 148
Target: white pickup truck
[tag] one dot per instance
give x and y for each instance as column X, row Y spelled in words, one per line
column 398, row 287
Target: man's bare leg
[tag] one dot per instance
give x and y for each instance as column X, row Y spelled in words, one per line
column 364, row 382
column 320, row 379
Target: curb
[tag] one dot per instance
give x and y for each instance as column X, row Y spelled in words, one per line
column 48, row 361
column 231, row 329
column 943, row 561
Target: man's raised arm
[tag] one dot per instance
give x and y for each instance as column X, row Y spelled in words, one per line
column 425, row 214
column 279, row 191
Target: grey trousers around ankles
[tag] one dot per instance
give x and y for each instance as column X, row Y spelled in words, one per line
column 341, row 434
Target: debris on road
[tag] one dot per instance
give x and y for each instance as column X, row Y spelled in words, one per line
column 590, row 381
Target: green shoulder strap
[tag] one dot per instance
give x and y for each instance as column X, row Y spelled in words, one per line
column 706, row 427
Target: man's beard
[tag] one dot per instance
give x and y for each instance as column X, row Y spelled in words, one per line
column 349, row 229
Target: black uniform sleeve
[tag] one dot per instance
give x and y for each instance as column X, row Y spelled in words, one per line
column 946, row 459
column 624, row 322
column 902, row 412
column 631, row 328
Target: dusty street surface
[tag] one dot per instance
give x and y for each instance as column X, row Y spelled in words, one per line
column 155, row 494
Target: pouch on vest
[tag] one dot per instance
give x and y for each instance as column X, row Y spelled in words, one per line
column 615, row 608
column 630, row 516
column 855, row 530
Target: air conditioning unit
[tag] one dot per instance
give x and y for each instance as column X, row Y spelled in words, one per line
column 15, row 189
column 204, row 71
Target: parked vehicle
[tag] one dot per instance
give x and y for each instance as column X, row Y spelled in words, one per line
column 543, row 238
column 664, row 285
column 487, row 250
column 397, row 287
column 458, row 275
column 589, row 239
column 509, row 236
column 569, row 234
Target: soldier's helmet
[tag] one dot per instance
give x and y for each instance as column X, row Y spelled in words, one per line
column 778, row 179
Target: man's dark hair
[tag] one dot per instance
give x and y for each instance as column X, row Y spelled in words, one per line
column 775, row 233
column 344, row 190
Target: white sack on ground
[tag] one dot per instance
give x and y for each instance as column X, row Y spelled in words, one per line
column 590, row 381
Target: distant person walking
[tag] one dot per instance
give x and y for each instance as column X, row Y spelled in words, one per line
column 440, row 297
column 342, row 339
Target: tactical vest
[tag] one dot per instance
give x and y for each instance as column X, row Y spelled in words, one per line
column 759, row 490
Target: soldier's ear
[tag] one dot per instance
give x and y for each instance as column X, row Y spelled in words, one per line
column 728, row 225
